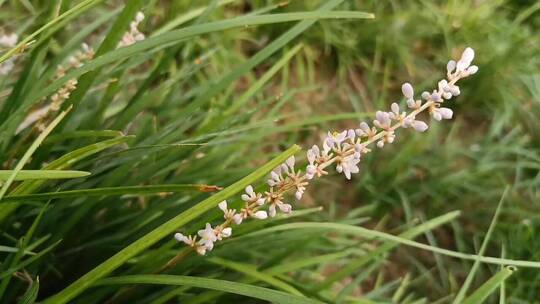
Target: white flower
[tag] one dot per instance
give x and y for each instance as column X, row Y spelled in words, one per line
column 472, row 70
column 275, row 200
column 466, row 59
column 133, row 35
column 222, row 233
column 139, row 17
column 419, row 126
column 285, row 208
column 299, row 192
column 237, row 218
column 451, row 66
column 230, row 214
column 188, row 240
column 261, row 215
column 441, row 113
column 208, row 237
column 396, row 114
column 275, row 177
column 350, row 165
column 334, row 140
column 407, row 90
column 252, row 197
column 288, row 166
column 315, row 158
column 382, row 120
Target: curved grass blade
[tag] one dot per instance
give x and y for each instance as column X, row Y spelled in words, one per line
column 164, row 230
column 398, row 240
column 251, row 271
column 14, row 264
column 31, row 151
column 110, row 191
column 31, row 293
column 253, row 291
column 63, row 162
column 484, row 291
column 463, row 291
column 42, row 174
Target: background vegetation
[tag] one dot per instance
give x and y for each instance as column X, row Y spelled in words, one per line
column 208, row 105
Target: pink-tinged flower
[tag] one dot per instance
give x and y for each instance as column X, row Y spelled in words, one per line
column 252, row 197
column 207, row 237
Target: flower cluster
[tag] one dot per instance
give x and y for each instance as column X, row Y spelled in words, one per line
column 133, row 35
column 8, row 41
column 85, row 54
column 343, row 149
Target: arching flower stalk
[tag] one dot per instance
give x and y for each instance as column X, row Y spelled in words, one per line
column 343, row 149
column 39, row 117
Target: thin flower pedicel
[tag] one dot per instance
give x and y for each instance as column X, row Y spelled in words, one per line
column 343, row 149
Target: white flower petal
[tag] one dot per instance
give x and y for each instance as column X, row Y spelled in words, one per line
column 446, row 113
column 451, row 66
column 226, row 232
column 419, row 126
column 223, row 206
column 261, row 215
column 407, row 90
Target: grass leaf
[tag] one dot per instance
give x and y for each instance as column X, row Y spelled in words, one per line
column 253, row 291
column 484, row 291
column 164, row 230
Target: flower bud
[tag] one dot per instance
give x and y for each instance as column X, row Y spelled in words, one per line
column 407, row 90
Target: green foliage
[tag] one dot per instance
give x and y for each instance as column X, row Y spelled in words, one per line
column 161, row 131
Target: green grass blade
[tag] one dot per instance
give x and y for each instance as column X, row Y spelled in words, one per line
column 253, row 291
column 63, row 162
column 164, row 230
column 30, row 296
column 484, row 291
column 177, row 21
column 251, row 271
column 462, row 292
column 109, row 191
column 30, row 151
column 244, row 98
column 14, row 265
column 25, row 263
column 42, row 174
column 364, row 232
column 386, row 247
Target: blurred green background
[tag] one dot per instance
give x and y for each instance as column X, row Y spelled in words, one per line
column 340, row 72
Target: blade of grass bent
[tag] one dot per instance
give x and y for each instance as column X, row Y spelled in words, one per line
column 165, row 229
column 461, row 294
column 399, row 240
column 484, row 291
column 31, row 151
column 63, row 162
column 251, row 271
column 253, row 291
